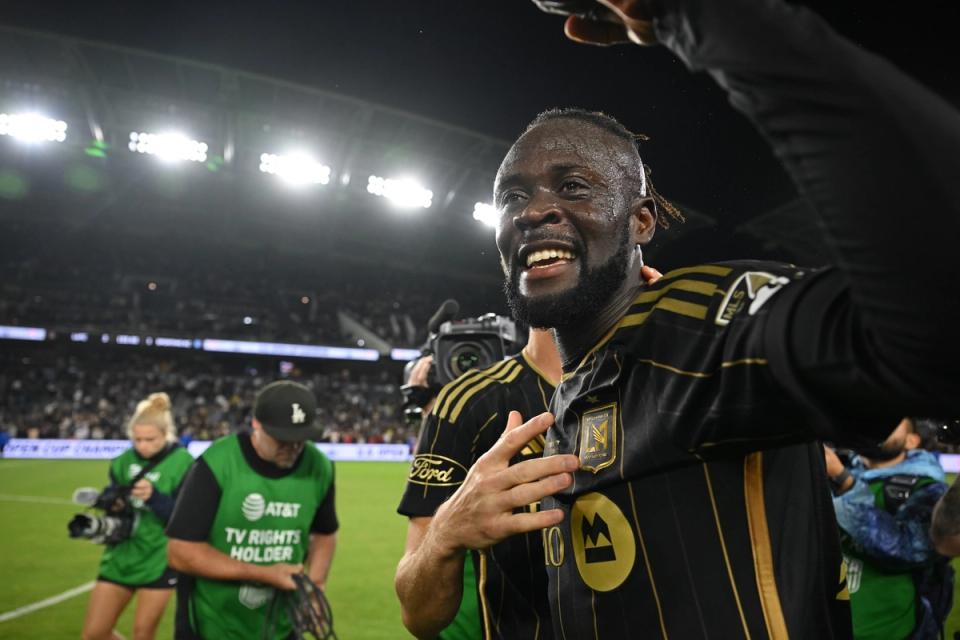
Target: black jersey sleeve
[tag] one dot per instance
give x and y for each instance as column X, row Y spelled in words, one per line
column 445, row 451
column 162, row 504
column 325, row 519
column 874, row 152
column 196, row 506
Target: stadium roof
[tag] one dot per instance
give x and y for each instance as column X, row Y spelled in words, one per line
column 105, row 92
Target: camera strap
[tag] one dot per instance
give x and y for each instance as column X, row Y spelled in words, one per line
column 153, row 462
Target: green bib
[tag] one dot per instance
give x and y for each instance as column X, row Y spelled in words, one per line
column 883, row 603
column 262, row 521
column 466, row 624
column 142, row 558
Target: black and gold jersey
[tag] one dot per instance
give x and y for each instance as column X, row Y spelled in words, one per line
column 469, row 416
column 701, row 508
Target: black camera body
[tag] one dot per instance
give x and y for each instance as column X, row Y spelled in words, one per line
column 114, row 526
column 457, row 346
column 471, row 343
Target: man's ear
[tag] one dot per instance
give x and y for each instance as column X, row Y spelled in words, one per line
column 913, row 441
column 644, row 220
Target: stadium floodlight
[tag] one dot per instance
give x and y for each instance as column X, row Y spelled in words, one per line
column 32, row 127
column 486, row 214
column 168, row 146
column 295, row 168
column 404, row 193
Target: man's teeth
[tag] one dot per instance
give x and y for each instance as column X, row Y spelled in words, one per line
column 548, row 254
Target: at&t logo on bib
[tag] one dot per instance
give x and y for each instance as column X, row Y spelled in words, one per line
column 253, row 507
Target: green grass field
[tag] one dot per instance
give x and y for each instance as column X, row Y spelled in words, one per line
column 39, row 561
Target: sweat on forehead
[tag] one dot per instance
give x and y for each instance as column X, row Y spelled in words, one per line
column 584, row 141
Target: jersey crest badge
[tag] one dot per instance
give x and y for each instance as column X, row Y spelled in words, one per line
column 750, row 291
column 598, row 437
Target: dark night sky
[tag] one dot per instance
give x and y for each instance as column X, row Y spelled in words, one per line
column 491, row 66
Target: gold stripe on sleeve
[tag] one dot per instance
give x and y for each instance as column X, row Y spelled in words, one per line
column 471, row 380
column 762, row 551
column 707, row 269
column 504, row 377
column 690, row 286
column 680, row 307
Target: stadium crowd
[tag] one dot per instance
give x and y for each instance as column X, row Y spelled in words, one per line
column 59, row 395
column 193, row 287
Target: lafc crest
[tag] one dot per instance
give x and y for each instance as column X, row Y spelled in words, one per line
column 598, row 437
column 750, row 291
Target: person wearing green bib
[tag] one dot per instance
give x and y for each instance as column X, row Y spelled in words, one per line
column 884, row 501
column 138, row 565
column 255, row 509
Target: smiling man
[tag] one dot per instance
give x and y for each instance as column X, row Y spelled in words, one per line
column 688, row 496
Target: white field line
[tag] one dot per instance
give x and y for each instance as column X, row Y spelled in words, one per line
column 35, row 499
column 60, row 597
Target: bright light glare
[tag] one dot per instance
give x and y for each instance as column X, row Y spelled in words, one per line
column 168, row 146
column 404, row 193
column 486, row 213
column 32, row 127
column 295, row 168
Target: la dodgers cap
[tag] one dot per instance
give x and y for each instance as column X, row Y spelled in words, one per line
column 287, row 410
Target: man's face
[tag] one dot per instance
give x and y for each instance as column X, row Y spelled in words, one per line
column 565, row 236
column 283, row 454
column 896, row 443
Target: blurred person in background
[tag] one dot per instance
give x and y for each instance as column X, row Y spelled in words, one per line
column 945, row 527
column 138, row 565
column 254, row 508
column 884, row 498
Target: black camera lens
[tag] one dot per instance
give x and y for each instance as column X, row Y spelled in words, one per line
column 467, row 361
column 466, row 356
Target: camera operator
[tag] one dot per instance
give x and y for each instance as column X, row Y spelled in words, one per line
column 138, row 506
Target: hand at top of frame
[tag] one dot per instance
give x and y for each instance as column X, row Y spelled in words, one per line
column 604, row 22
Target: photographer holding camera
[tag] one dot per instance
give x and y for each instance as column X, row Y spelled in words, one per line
column 137, row 504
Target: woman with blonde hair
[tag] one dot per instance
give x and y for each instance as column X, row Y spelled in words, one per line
column 148, row 476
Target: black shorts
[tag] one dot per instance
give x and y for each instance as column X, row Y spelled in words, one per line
column 167, row 580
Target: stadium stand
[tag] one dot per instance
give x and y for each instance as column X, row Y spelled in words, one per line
column 66, row 391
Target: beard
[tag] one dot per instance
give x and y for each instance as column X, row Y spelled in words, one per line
column 576, row 306
column 883, row 451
